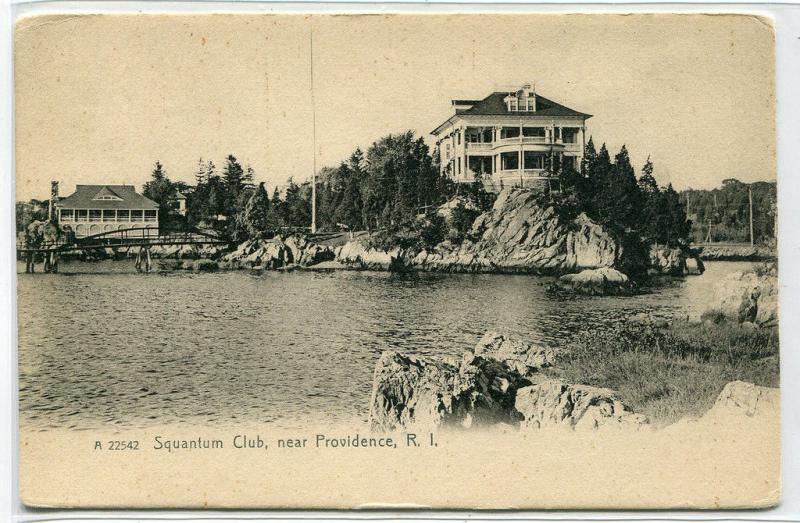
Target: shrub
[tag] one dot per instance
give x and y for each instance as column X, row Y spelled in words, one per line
column 461, row 221
column 423, row 232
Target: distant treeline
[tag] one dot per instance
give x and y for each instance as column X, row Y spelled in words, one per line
column 725, row 211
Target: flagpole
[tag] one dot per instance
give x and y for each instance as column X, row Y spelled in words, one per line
column 313, row 141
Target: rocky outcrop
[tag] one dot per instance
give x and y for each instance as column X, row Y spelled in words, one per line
column 739, row 402
column 740, row 398
column 482, row 390
column 675, row 261
column 502, row 384
column 518, row 235
column 355, row 254
column 185, row 251
column 595, row 282
column 277, row 253
column 524, row 358
column 578, row 407
column 427, row 392
column 747, row 297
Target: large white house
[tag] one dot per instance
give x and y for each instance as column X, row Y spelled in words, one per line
column 510, row 138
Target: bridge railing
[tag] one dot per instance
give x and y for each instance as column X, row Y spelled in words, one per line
column 136, row 236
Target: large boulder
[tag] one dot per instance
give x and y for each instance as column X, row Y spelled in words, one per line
column 675, row 261
column 555, row 404
column 748, row 297
column 356, row 254
column 276, row 253
column 522, row 233
column 739, row 402
column 740, row 398
column 428, row 392
column 525, row 358
column 595, row 282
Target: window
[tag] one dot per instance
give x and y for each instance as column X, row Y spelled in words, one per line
column 123, row 216
column 136, row 216
column 509, row 132
column 533, row 131
column 108, row 216
column 534, row 160
column 81, row 215
column 570, row 134
column 149, row 216
column 66, row 214
column 523, row 103
column 107, row 197
column 509, row 161
column 459, row 166
column 480, row 164
column 95, row 215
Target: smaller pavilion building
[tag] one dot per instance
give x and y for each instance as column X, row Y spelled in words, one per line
column 95, row 209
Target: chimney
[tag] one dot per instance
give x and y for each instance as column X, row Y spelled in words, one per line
column 53, row 200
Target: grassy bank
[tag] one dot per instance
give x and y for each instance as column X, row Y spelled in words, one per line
column 672, row 372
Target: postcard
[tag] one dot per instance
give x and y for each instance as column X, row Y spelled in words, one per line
column 451, row 261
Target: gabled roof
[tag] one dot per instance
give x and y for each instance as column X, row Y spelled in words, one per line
column 105, row 192
column 494, row 105
column 85, row 196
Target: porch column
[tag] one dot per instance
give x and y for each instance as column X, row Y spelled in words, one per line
column 520, row 165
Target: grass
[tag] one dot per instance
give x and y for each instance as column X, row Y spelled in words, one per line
column 673, row 372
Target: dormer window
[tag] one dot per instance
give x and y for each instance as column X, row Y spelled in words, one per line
column 523, row 100
column 106, row 194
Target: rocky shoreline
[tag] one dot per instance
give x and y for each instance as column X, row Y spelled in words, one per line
column 504, row 383
column 734, row 252
column 520, row 234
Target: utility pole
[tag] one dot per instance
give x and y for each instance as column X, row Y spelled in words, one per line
column 313, row 141
column 750, row 198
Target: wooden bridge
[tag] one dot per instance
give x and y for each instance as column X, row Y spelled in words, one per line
column 142, row 237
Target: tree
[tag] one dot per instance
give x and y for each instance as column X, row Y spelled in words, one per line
column 652, row 201
column 348, row 211
column 254, row 220
column 162, row 191
column 277, row 216
column 233, row 178
column 297, row 205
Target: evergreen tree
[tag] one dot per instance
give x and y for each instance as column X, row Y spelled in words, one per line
column 651, row 197
column 348, row 212
column 626, row 193
column 162, row 191
column 647, row 182
column 233, row 178
column 276, row 210
column 254, row 220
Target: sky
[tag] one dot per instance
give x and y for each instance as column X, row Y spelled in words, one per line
column 100, row 98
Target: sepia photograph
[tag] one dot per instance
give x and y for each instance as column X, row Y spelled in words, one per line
column 462, row 261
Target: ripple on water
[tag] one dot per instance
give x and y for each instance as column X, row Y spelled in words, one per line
column 101, row 344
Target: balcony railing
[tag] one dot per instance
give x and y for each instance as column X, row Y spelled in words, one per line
column 527, row 173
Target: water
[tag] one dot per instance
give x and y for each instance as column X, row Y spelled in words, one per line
column 101, row 344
